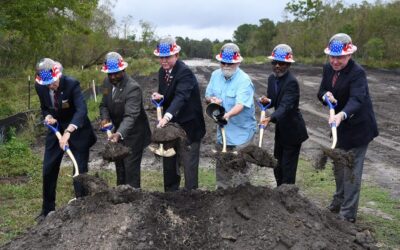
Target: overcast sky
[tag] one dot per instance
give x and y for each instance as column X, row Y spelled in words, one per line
column 212, row 19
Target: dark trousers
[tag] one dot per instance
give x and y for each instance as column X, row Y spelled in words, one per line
column 189, row 158
column 51, row 168
column 287, row 157
column 348, row 184
column 128, row 169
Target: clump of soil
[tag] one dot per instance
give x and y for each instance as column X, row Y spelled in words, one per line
column 259, row 156
column 244, row 217
column 231, row 162
column 115, row 151
column 338, row 156
column 170, row 132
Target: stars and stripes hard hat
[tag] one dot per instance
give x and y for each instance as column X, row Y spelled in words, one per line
column 283, row 53
column 230, row 53
column 339, row 45
column 48, row 71
column 167, row 47
column 113, row 63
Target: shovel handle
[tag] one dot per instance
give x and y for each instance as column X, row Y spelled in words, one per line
column 66, row 148
column 264, row 107
column 333, row 124
column 262, row 127
column 223, row 140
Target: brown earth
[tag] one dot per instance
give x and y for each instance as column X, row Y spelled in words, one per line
column 244, row 217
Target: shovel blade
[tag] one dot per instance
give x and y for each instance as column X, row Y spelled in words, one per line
column 162, row 152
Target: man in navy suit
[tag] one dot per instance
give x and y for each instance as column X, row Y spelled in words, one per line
column 344, row 82
column 180, row 90
column 62, row 106
column 290, row 130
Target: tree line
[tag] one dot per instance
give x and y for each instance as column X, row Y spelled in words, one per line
column 78, row 32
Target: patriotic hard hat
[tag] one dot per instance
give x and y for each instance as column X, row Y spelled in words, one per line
column 339, row 45
column 230, row 53
column 113, row 63
column 282, row 53
column 48, row 71
column 167, row 47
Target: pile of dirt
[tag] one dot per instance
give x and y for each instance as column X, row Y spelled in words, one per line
column 245, row 217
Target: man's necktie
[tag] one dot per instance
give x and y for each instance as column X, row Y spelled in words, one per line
column 334, row 78
column 55, row 99
column 167, row 77
column 277, row 86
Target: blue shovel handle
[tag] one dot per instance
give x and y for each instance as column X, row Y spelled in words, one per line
column 330, row 105
column 158, row 104
column 264, row 107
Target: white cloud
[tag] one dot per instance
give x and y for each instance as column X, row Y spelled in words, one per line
column 212, row 19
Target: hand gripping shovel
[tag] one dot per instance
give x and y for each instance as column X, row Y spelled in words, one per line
column 216, row 112
column 113, row 151
column 262, row 116
column 161, row 151
column 66, row 148
column 333, row 124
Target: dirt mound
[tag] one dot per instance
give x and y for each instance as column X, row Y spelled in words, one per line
column 245, row 217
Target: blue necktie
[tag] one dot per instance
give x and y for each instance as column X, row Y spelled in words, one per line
column 277, row 86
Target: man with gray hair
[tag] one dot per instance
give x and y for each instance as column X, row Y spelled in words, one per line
column 63, row 106
column 233, row 89
column 344, row 83
column 179, row 89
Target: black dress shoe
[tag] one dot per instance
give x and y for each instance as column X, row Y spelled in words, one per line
column 334, row 208
column 342, row 218
column 40, row 217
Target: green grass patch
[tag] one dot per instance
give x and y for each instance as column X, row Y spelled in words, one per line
column 375, row 203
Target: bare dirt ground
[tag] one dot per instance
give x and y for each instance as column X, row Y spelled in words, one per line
column 245, row 217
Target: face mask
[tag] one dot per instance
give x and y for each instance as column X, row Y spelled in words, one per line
column 228, row 72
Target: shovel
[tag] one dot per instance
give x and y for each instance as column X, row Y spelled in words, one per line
column 333, row 124
column 113, row 151
column 262, row 117
column 66, row 148
column 216, row 112
column 160, row 150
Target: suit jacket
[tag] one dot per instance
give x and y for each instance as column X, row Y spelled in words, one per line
column 351, row 92
column 182, row 100
column 126, row 112
column 290, row 127
column 71, row 109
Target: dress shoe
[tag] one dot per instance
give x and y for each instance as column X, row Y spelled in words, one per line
column 342, row 218
column 334, row 208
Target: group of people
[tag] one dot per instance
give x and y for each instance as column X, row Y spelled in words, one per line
column 344, row 83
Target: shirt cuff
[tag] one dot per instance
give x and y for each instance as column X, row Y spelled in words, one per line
column 168, row 116
column 344, row 115
column 73, row 125
column 120, row 135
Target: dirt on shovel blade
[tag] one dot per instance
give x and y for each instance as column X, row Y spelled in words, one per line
column 170, row 132
column 244, row 217
column 338, row 156
column 258, row 156
column 115, row 151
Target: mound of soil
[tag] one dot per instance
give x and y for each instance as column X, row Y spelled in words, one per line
column 245, row 217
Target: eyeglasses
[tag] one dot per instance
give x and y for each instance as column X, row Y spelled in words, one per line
column 227, row 64
column 280, row 63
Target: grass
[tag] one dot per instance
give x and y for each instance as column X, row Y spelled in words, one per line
column 319, row 186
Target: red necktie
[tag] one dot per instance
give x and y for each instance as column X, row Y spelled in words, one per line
column 55, row 97
column 334, row 78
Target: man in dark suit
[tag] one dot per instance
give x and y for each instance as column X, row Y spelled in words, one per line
column 344, row 82
column 122, row 104
column 290, row 130
column 63, row 106
column 180, row 90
